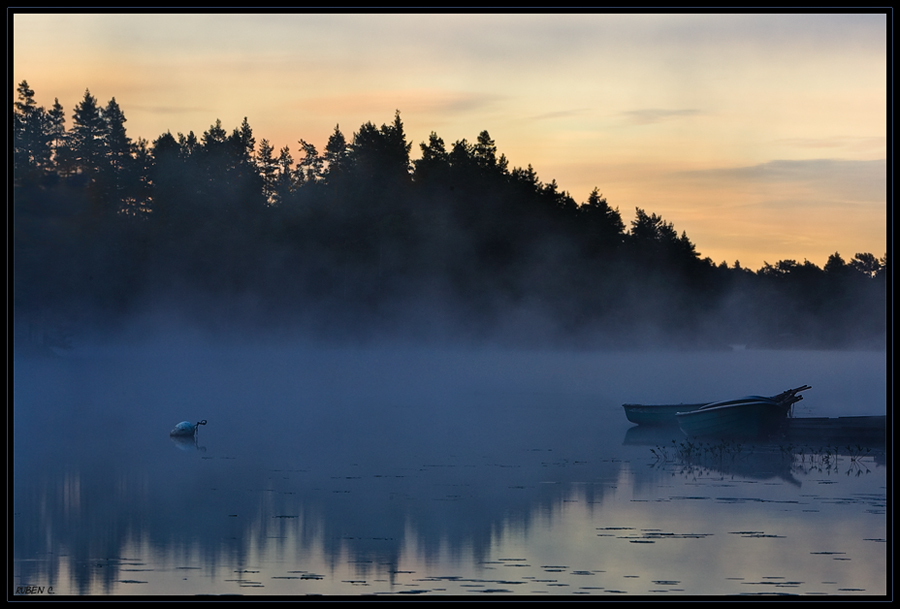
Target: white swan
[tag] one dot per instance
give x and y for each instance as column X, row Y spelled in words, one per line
column 186, row 429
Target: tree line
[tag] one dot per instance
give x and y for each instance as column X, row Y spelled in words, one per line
column 361, row 238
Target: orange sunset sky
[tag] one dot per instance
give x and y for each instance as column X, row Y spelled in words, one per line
column 761, row 136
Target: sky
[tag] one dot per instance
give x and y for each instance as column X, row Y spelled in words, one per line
column 763, row 137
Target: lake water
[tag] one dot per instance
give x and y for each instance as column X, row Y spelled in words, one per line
column 402, row 470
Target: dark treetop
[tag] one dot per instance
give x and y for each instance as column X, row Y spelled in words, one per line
column 359, row 240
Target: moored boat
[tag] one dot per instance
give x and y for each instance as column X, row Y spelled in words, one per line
column 748, row 418
column 665, row 414
column 657, row 414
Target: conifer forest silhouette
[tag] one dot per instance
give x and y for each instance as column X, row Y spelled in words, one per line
column 360, row 241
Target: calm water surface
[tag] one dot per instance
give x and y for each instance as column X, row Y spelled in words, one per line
column 451, row 472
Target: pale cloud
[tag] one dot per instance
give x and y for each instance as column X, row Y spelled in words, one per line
column 437, row 102
column 655, row 115
column 832, row 178
column 170, row 109
column 876, row 144
column 575, row 112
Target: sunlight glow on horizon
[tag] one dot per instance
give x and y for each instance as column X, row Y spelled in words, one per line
column 763, row 137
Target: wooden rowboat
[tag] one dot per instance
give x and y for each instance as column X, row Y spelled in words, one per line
column 665, row 414
column 749, row 418
column 657, row 414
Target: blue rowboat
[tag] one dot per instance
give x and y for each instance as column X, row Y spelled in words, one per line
column 748, row 418
column 665, row 414
column 657, row 414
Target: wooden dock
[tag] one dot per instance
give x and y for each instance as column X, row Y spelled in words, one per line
column 860, row 429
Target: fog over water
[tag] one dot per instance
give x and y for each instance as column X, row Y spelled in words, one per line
column 182, row 370
column 386, row 396
column 351, row 451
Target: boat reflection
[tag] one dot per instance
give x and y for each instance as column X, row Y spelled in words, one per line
column 860, row 430
column 828, row 445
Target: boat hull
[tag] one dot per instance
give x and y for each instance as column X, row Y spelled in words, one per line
column 666, row 414
column 657, row 414
column 744, row 420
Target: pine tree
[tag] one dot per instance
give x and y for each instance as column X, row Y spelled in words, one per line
column 434, row 164
column 310, row 168
column 485, row 151
column 604, row 224
column 336, row 151
column 213, row 139
column 267, row 165
column 116, row 169
column 118, row 144
column 59, row 140
column 31, row 148
column 88, row 136
column 284, row 181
